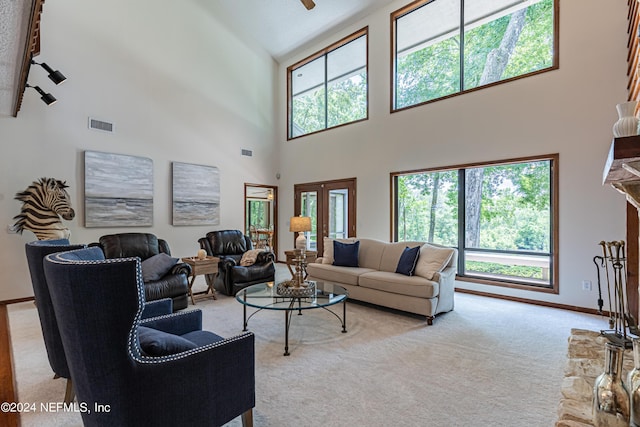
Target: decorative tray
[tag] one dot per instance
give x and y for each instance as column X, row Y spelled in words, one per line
column 196, row 260
column 290, row 288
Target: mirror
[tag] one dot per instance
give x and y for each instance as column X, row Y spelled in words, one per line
column 261, row 215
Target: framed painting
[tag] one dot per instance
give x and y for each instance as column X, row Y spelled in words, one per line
column 118, row 190
column 196, row 194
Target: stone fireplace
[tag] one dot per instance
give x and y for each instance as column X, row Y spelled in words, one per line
column 585, row 361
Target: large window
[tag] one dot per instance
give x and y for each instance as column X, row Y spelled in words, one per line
column 446, row 47
column 329, row 88
column 502, row 217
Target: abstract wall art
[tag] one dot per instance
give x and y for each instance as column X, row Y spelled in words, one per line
column 196, row 194
column 118, row 190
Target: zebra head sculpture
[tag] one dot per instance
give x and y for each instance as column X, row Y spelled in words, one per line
column 43, row 203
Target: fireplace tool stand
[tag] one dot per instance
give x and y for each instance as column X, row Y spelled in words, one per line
column 621, row 321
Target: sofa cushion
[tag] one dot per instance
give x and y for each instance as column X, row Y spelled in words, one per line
column 391, row 255
column 332, row 273
column 432, row 259
column 345, row 254
column 408, row 260
column 157, row 266
column 327, row 256
column 415, row 286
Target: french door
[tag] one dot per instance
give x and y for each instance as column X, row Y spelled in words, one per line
column 332, row 208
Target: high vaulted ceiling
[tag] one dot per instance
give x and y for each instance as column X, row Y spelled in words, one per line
column 283, row 26
column 278, row 26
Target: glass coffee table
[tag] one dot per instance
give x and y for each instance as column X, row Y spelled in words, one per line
column 264, row 296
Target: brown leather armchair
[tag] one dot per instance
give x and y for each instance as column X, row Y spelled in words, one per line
column 229, row 246
column 173, row 284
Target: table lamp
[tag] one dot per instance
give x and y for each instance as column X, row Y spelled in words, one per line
column 300, row 224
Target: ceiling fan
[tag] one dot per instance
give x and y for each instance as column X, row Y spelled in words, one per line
column 309, row 4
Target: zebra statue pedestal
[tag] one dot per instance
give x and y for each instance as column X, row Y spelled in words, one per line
column 43, row 203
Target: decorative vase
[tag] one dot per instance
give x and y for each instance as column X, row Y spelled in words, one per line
column 611, row 402
column 633, row 382
column 627, row 124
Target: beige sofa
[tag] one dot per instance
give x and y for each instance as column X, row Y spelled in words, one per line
column 375, row 280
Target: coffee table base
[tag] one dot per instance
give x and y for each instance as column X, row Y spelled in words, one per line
column 287, row 319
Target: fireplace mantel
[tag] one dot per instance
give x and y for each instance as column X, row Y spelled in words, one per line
column 622, row 169
column 622, row 172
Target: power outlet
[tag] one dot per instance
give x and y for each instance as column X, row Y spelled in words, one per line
column 586, row 285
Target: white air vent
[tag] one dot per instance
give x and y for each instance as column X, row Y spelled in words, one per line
column 248, row 153
column 103, row 126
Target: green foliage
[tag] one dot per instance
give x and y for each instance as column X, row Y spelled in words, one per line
column 434, row 71
column 515, row 207
column 346, row 102
column 534, row 50
column 478, row 43
column 258, row 213
column 430, row 73
column 504, row 270
column 514, row 215
column 415, row 209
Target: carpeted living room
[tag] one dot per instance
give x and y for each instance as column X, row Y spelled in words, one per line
column 217, row 87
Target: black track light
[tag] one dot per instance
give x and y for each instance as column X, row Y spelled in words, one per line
column 56, row 76
column 47, row 98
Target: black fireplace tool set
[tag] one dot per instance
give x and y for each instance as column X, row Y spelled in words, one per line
column 621, row 322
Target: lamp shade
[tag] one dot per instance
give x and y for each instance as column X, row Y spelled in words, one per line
column 300, row 223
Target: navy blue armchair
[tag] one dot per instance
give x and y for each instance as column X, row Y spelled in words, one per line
column 163, row 371
column 36, row 251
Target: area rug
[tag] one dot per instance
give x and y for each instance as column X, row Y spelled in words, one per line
column 489, row 362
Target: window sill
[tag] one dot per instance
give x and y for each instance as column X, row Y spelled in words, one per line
column 512, row 285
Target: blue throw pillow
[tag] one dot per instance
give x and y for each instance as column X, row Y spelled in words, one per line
column 158, row 343
column 345, row 254
column 408, row 261
column 157, row 266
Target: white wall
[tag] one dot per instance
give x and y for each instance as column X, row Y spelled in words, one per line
column 569, row 111
column 178, row 85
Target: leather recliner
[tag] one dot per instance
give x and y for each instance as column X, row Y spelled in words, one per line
column 173, row 285
column 229, row 246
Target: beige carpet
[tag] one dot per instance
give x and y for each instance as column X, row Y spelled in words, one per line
column 487, row 363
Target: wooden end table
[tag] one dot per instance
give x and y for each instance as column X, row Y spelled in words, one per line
column 311, row 257
column 208, row 267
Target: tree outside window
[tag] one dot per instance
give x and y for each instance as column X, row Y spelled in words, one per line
column 503, row 212
column 329, row 88
column 437, row 56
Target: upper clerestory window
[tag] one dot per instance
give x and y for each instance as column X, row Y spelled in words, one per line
column 329, row 88
column 442, row 48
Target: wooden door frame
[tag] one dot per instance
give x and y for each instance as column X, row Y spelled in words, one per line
column 322, row 188
column 274, row 188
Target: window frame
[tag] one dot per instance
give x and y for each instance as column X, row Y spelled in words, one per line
column 419, row 3
column 325, row 52
column 554, row 160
